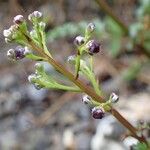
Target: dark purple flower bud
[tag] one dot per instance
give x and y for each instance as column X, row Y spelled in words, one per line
column 114, row 98
column 98, row 113
column 93, row 47
column 17, row 53
column 90, row 27
column 79, row 40
column 18, row 19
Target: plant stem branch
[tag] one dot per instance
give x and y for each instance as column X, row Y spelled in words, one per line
column 88, row 90
column 103, row 5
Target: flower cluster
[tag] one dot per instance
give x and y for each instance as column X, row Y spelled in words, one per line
column 86, row 48
column 89, row 46
column 19, row 33
column 98, row 110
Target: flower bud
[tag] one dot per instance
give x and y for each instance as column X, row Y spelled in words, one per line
column 17, row 53
column 33, row 33
column 71, row 59
column 93, row 47
column 79, row 40
column 39, row 67
column 90, row 27
column 11, row 53
column 18, row 19
column 7, row 40
column 27, row 51
column 7, row 33
column 32, row 78
column 14, row 28
column 114, row 98
column 87, row 100
column 35, row 15
column 98, row 113
column 37, row 86
column 42, row 25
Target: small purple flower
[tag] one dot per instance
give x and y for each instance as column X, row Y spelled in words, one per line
column 79, row 40
column 18, row 19
column 98, row 113
column 93, row 47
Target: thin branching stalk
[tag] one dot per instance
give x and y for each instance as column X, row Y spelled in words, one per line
column 102, row 4
column 88, row 90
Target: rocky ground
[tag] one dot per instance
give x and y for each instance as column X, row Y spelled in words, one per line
column 33, row 119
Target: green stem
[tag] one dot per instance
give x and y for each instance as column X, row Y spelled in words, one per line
column 68, row 88
column 43, row 40
column 91, row 76
column 91, row 63
column 77, row 65
column 95, row 83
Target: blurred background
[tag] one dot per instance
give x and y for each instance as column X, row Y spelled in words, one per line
column 33, row 119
